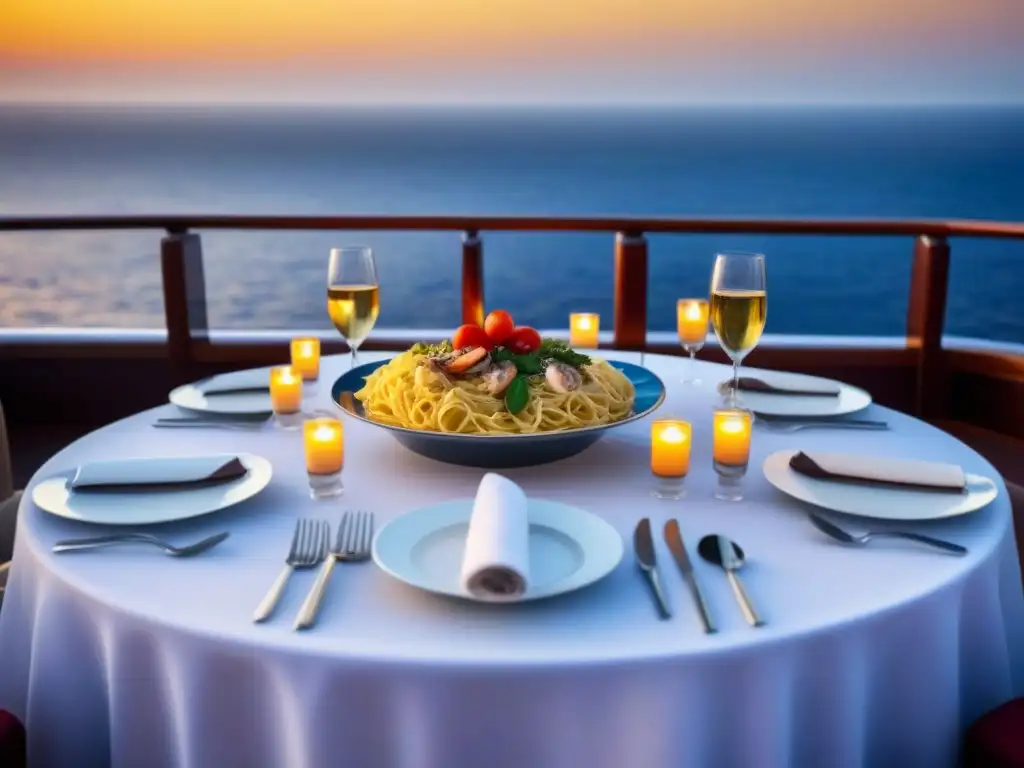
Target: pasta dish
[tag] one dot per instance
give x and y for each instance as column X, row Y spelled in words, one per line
column 498, row 379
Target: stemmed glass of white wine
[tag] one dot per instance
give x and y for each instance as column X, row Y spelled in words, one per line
column 353, row 295
column 739, row 306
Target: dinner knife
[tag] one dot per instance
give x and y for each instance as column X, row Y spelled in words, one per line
column 674, row 540
column 643, row 546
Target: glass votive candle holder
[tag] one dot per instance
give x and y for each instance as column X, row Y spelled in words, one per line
column 306, row 358
column 324, row 442
column 286, row 397
column 584, row 330
column 731, row 451
column 670, row 456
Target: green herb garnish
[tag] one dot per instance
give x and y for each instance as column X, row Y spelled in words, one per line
column 517, row 395
column 444, row 348
column 556, row 349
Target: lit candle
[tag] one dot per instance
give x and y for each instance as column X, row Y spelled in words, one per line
column 325, row 446
column 583, row 329
column 692, row 320
column 670, row 448
column 732, row 437
column 306, row 358
column 285, row 390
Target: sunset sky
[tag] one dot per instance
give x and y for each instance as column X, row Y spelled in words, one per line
column 553, row 51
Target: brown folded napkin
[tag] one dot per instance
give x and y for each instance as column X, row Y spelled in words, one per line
column 165, row 474
column 900, row 473
column 751, row 384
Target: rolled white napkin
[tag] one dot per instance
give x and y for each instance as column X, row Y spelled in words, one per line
column 496, row 563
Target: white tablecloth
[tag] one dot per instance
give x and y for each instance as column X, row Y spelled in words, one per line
column 871, row 658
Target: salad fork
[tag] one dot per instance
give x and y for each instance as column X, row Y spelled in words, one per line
column 75, row 545
column 308, row 549
column 355, row 534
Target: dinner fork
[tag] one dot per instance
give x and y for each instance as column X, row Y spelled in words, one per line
column 831, row 529
column 75, row 545
column 355, row 533
column 774, row 425
column 308, row 549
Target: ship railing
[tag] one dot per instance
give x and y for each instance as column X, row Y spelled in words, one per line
column 188, row 341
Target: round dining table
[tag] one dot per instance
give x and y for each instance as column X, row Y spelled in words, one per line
column 869, row 656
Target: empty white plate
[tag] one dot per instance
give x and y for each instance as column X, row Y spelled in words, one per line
column 148, row 507
column 569, row 548
column 877, row 501
column 193, row 397
column 849, row 400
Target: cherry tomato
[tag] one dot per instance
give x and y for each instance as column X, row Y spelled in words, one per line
column 499, row 325
column 523, row 340
column 471, row 336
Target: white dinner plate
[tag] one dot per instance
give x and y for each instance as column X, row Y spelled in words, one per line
column 191, row 397
column 850, row 399
column 148, row 507
column 875, row 501
column 569, row 548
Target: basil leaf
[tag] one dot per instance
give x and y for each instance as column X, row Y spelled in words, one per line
column 527, row 364
column 501, row 355
column 517, row 395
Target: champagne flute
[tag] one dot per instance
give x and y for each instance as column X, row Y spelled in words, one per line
column 692, row 323
column 739, row 306
column 353, row 295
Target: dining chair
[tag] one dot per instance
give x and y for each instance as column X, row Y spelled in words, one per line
column 8, row 505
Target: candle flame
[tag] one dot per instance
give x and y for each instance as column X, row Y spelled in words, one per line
column 732, row 425
column 693, row 312
column 323, row 433
column 673, row 434
column 584, row 324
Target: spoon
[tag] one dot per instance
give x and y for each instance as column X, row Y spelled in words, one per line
column 72, row 545
column 727, row 555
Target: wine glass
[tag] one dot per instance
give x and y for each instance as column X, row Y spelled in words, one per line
column 692, row 323
column 739, row 306
column 353, row 295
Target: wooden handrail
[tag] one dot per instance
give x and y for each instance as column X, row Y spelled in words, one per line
column 631, row 225
column 185, row 294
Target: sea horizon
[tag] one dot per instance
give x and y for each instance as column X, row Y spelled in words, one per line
column 717, row 161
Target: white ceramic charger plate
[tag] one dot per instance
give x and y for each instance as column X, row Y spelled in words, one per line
column 569, row 548
column 191, row 397
column 877, row 502
column 850, row 399
column 149, row 507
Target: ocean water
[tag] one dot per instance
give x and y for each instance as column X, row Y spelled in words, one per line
column 914, row 162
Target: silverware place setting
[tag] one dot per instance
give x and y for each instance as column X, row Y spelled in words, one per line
column 643, row 546
column 308, row 549
column 352, row 545
column 835, row 532
column 727, row 555
column 795, row 424
column 96, row 542
column 715, row 549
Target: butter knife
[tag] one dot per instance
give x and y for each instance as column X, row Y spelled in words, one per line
column 643, row 546
column 674, row 540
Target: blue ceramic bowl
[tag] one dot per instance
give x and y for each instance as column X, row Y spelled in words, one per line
column 500, row 451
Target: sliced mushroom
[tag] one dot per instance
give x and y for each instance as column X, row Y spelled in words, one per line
column 562, row 378
column 499, row 376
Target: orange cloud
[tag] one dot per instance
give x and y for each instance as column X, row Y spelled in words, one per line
column 354, row 30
